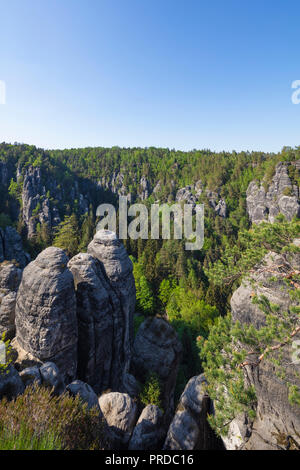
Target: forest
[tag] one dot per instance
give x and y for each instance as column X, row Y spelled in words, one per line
column 191, row 289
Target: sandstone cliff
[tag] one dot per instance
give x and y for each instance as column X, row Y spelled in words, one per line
column 281, row 197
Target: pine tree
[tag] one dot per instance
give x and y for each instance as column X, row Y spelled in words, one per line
column 67, row 235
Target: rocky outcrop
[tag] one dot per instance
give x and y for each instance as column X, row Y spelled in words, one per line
column 30, row 376
column 52, row 378
column 117, row 268
column 190, row 194
column 189, row 429
column 221, row 208
column 157, row 349
column 11, row 247
column 148, row 432
column 100, row 325
column 115, row 184
column 120, row 413
column 282, row 197
column 144, row 188
column 278, row 422
column 10, row 278
column 46, row 324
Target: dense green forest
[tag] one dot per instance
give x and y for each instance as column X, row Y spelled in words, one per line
column 185, row 286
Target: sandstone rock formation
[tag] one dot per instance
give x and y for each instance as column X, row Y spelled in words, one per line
column 281, row 197
column 117, row 268
column 46, row 324
column 148, row 432
column 99, row 316
column 10, row 278
column 189, row 429
column 144, row 188
column 11, row 247
column 31, row 375
column 157, row 349
column 120, row 413
column 278, row 422
column 85, row 392
column 11, row 384
column 221, row 208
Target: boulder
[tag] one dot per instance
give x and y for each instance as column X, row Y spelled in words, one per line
column 10, row 278
column 183, row 432
column 31, row 375
column 52, row 378
column 148, row 432
column 46, row 323
column 189, row 429
column 85, row 392
column 120, row 413
column 11, row 384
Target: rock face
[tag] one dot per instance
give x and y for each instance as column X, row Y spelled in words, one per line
column 35, row 203
column 221, row 208
column 11, row 247
column 145, row 188
column 46, row 324
column 120, row 413
column 148, row 432
column 99, row 315
column 190, row 194
column 281, row 197
column 10, row 278
column 189, row 429
column 117, row 268
column 278, row 422
column 157, row 349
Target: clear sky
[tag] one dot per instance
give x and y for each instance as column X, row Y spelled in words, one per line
column 181, row 74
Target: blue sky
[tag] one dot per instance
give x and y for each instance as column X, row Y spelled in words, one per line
column 171, row 73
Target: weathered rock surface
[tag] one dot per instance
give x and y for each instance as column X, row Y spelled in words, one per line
column 11, row 247
column 148, row 432
column 11, row 384
column 31, row 375
column 97, row 309
column 46, row 323
column 281, row 197
column 35, row 202
column 144, row 188
column 117, row 268
column 52, row 378
column 10, row 278
column 120, row 412
column 278, row 422
column 157, row 349
column 221, row 208
column 189, row 429
column 85, row 392
column 190, row 194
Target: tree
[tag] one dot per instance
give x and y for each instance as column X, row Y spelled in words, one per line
column 67, row 235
